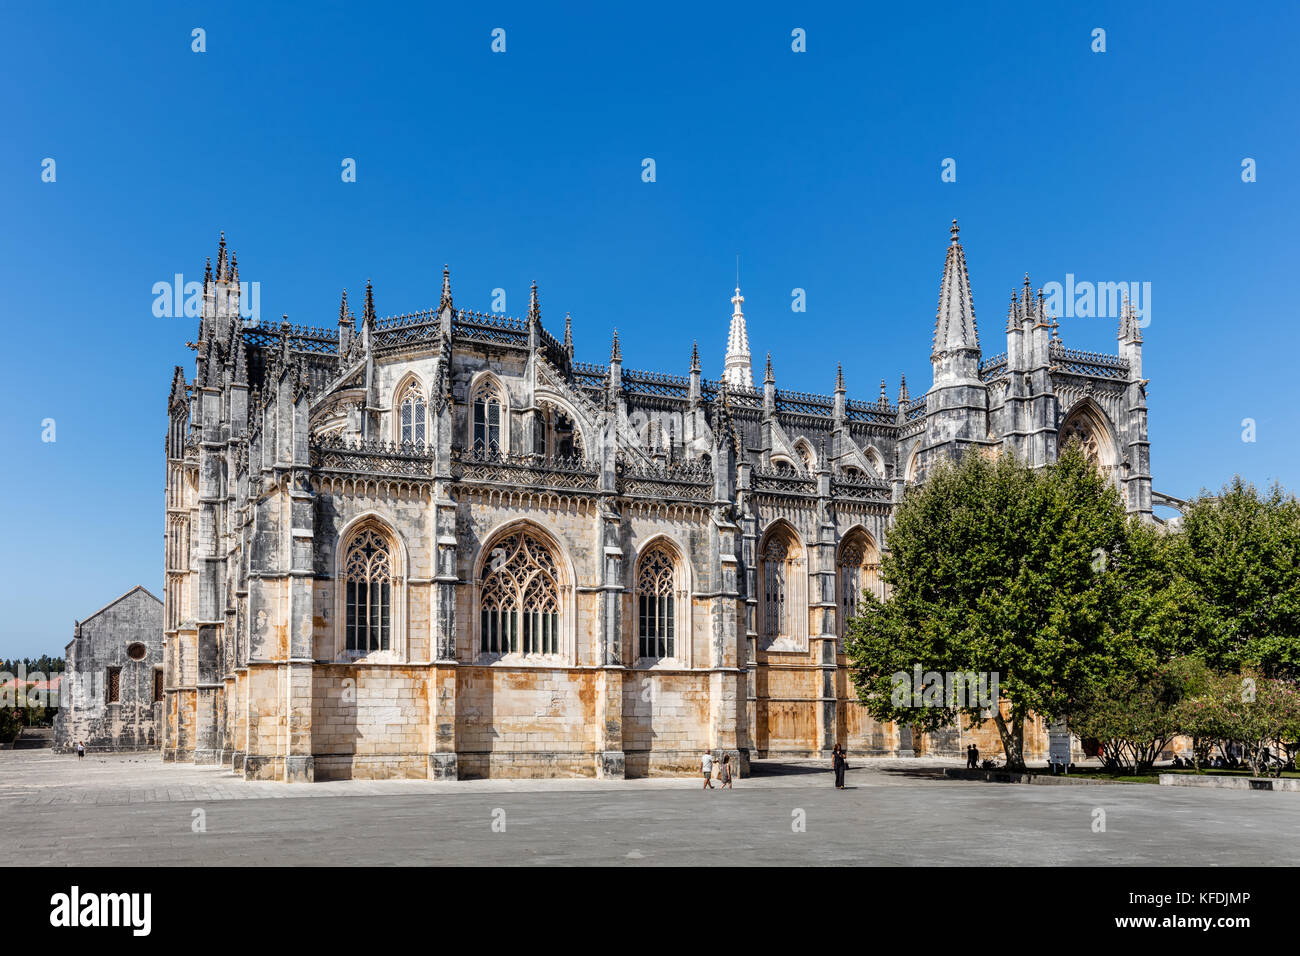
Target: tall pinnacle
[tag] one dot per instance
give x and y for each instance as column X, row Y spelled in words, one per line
column 368, row 316
column 445, row 301
column 534, row 310
column 345, row 317
column 615, row 353
column 695, row 356
column 737, row 369
column 954, row 325
column 568, row 334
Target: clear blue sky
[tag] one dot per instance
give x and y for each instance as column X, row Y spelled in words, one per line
column 820, row 169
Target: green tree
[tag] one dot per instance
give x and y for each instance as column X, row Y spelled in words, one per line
column 998, row 568
column 1238, row 561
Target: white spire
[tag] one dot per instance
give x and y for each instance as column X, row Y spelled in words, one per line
column 737, row 369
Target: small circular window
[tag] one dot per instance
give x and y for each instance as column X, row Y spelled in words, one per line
column 136, row 651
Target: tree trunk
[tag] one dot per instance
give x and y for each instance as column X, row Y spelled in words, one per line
column 1013, row 739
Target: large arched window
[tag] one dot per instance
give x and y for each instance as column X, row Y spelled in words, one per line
column 859, row 570
column 1087, row 425
column 519, row 598
column 368, row 577
column 487, row 416
column 783, row 590
column 656, row 605
column 411, row 412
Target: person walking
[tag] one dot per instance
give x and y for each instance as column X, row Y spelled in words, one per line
column 725, row 773
column 81, row 750
column 974, row 757
column 970, row 756
column 840, row 765
column 706, row 767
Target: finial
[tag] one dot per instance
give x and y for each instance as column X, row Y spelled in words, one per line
column 615, row 353
column 767, row 370
column 368, row 317
column 953, row 231
column 839, row 376
column 234, row 266
column 343, row 309
column 568, row 334
column 445, row 301
column 221, row 257
column 902, row 390
column 534, row 312
column 1056, row 335
column 884, row 394
column 695, row 356
column 207, row 271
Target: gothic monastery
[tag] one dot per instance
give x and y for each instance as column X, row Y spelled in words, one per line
column 437, row 545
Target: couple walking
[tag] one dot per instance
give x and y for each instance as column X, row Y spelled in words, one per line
column 724, row 772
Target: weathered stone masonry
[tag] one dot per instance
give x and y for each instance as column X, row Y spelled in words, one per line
column 435, row 545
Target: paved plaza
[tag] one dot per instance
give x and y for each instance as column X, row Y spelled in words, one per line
column 136, row 810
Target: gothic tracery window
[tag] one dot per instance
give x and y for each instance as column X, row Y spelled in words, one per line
column 1078, row 431
column 487, row 412
column 859, row 570
column 368, row 576
column 656, row 604
column 412, row 411
column 776, row 582
column 519, row 598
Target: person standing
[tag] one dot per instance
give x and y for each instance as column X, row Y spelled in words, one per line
column 81, row 750
column 725, row 773
column 974, row 757
column 706, row 766
column 840, row 765
column 970, row 756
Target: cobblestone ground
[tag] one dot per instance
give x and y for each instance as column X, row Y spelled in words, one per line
column 136, row 810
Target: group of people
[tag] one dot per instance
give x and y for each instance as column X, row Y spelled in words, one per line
column 724, row 771
column 972, row 757
column 839, row 763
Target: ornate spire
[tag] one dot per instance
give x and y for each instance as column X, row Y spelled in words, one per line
column 954, row 324
column 839, row 376
column 1026, row 302
column 445, row 301
column 368, row 316
column 568, row 334
column 695, row 356
column 1129, row 329
column 345, row 317
column 903, row 397
column 236, row 356
column 534, row 311
column 1012, row 309
column 768, row 377
column 615, row 353
column 207, row 273
column 234, row 267
column 737, row 369
column 221, row 258
column 884, row 393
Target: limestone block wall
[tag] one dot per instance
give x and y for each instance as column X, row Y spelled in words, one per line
column 369, row 721
column 526, row 721
column 665, row 721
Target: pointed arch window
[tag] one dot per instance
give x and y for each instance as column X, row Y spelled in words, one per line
column 412, row 419
column 784, row 592
column 487, row 416
column 775, row 583
column 368, row 580
column 519, row 599
column 656, row 605
column 859, row 571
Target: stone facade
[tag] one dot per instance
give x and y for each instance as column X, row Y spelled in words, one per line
column 111, row 695
column 438, row 545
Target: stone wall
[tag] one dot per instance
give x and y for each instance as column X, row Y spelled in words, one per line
column 101, row 645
